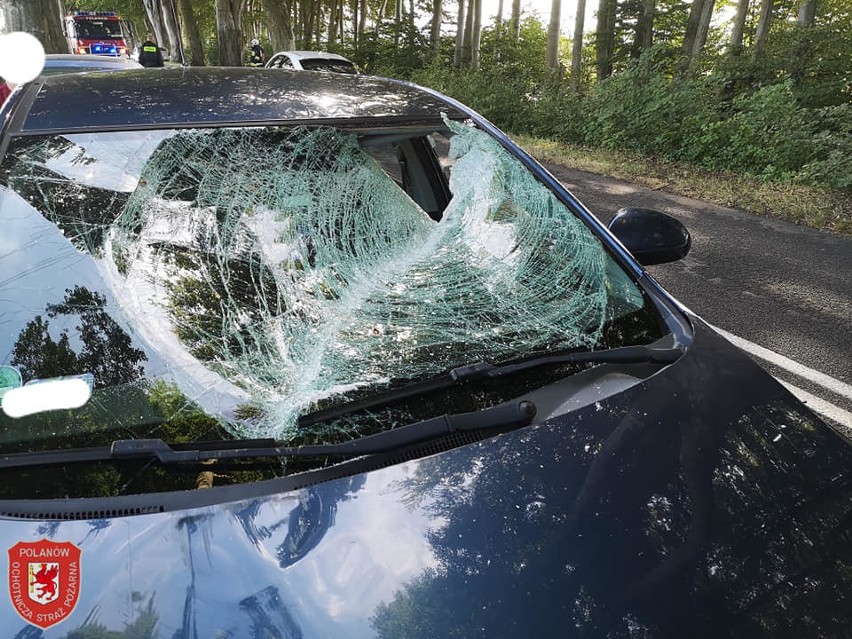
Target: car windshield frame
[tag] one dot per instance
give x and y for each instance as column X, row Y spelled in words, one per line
column 247, row 423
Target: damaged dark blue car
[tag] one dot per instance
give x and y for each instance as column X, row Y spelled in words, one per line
column 311, row 355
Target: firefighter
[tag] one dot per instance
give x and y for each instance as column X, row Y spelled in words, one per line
column 150, row 54
column 257, row 57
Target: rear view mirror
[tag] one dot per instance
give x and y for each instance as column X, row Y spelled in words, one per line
column 650, row 236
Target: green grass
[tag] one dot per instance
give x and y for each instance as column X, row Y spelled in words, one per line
column 814, row 207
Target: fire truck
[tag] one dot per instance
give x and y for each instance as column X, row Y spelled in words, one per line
column 98, row 32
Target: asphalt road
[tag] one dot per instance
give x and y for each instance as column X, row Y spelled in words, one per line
column 781, row 292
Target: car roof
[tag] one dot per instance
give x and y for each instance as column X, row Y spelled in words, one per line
column 222, row 96
column 88, row 61
column 84, row 57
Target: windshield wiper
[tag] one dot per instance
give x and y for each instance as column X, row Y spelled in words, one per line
column 499, row 418
column 483, row 370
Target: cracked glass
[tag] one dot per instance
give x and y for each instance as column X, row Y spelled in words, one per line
column 260, row 273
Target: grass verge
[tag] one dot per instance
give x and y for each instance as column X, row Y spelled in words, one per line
column 815, row 207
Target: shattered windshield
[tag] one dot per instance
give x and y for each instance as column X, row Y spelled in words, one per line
column 250, row 275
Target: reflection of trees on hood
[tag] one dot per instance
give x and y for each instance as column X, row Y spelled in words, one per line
column 305, row 524
column 30, row 632
column 312, row 518
column 107, row 350
column 683, row 524
column 143, row 626
column 269, row 616
column 267, row 613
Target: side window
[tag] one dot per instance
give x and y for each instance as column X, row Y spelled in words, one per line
column 440, row 144
column 418, row 166
column 280, row 62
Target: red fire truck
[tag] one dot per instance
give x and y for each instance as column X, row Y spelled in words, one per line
column 98, row 32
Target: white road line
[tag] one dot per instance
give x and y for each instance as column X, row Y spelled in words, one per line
column 792, row 366
column 817, row 404
column 824, row 408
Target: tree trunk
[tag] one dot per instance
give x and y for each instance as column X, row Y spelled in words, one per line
column 693, row 23
column 736, row 44
column 362, row 17
column 40, row 18
column 398, row 25
column 193, row 35
column 604, row 39
column 309, row 15
column 476, row 34
column 314, row 16
column 303, row 36
column 801, row 51
column 229, row 32
column 499, row 19
column 279, row 25
column 170, row 22
column 552, row 53
column 355, row 28
column 435, row 32
column 644, row 33
column 333, row 17
column 155, row 17
column 766, row 7
column 701, row 36
column 516, row 19
column 807, row 13
column 460, row 22
column 577, row 47
column 468, row 33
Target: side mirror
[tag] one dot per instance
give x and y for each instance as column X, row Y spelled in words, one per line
column 650, row 236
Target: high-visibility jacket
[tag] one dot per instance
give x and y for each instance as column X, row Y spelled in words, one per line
column 150, row 55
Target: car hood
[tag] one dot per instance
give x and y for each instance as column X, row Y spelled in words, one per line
column 703, row 501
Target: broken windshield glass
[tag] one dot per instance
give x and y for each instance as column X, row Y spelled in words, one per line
column 264, row 270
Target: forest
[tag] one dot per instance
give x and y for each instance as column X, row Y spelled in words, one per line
column 758, row 87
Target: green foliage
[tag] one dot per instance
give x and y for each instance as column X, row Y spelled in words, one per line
column 833, row 140
column 817, row 60
column 511, row 80
column 738, row 114
column 143, row 626
column 392, row 50
column 642, row 109
column 558, row 113
column 766, row 133
column 496, row 96
column 670, row 17
column 782, row 113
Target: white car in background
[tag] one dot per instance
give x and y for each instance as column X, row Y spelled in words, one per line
column 311, row 61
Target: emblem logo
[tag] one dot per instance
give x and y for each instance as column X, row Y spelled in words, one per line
column 44, row 580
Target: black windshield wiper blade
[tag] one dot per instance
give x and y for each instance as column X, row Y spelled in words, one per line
column 483, row 370
column 499, row 418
